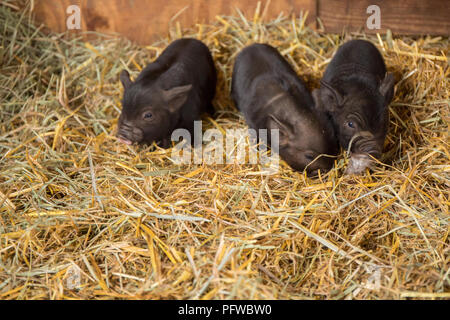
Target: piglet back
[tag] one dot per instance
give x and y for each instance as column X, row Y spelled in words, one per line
column 259, row 60
column 195, row 65
column 356, row 56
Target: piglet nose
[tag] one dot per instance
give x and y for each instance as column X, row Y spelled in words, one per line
column 359, row 138
column 125, row 141
column 367, row 145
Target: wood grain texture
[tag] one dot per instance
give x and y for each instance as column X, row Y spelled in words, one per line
column 145, row 20
column 401, row 17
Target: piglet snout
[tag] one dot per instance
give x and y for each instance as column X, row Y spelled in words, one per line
column 129, row 134
column 125, row 141
column 366, row 143
column 364, row 148
column 358, row 163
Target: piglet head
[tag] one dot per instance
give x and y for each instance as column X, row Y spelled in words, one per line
column 149, row 113
column 303, row 143
column 360, row 118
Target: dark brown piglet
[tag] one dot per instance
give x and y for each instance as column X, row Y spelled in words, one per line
column 269, row 93
column 168, row 94
column 356, row 91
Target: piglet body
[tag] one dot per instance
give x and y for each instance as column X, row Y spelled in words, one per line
column 270, row 95
column 168, row 94
column 356, row 92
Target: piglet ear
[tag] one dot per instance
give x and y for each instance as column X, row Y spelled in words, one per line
column 329, row 97
column 386, row 87
column 285, row 130
column 125, row 79
column 176, row 97
column 317, row 100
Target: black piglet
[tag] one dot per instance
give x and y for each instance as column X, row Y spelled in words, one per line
column 169, row 94
column 269, row 93
column 356, row 91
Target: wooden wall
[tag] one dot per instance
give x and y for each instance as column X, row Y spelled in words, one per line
column 145, row 20
column 402, row 17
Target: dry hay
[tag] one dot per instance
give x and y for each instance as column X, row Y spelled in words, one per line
column 135, row 225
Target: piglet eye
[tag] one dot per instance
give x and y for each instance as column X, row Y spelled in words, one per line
column 351, row 124
column 309, row 156
column 147, row 116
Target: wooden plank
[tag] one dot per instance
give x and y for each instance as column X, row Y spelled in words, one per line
column 146, row 20
column 401, row 17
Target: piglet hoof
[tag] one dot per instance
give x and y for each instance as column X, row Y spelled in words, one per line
column 358, row 163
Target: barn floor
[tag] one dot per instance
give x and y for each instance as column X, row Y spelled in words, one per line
column 83, row 216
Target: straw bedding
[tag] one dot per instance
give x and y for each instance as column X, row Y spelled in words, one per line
column 83, row 216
